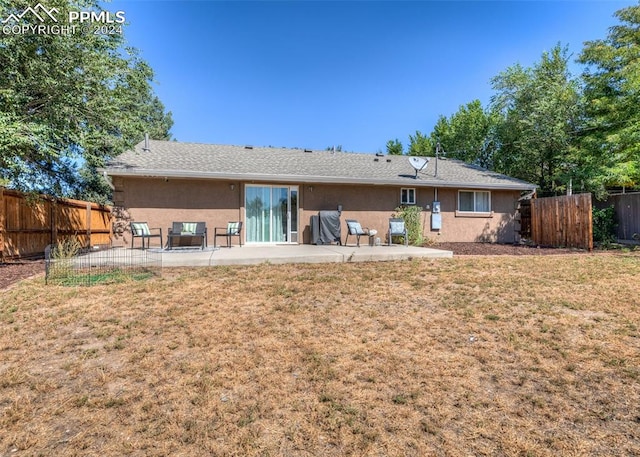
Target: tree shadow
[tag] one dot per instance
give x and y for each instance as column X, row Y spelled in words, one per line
column 504, row 232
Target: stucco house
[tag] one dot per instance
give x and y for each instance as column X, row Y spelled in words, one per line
column 275, row 191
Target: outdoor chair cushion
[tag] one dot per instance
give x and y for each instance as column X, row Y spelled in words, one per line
column 355, row 228
column 233, row 228
column 396, row 227
column 187, row 234
column 188, row 228
column 140, row 228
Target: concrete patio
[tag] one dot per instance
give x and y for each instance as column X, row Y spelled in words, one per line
column 302, row 253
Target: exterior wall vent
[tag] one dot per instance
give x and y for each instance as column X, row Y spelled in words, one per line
column 248, row 147
column 379, row 154
column 376, row 159
column 388, row 160
column 308, row 150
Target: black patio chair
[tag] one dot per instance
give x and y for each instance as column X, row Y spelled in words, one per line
column 142, row 230
column 187, row 234
column 232, row 229
column 354, row 228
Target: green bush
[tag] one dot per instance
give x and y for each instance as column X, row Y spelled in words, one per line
column 66, row 249
column 412, row 216
column 604, row 225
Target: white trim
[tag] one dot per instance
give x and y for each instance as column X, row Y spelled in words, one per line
column 410, row 191
column 475, row 211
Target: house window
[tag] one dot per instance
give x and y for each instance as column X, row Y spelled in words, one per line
column 474, row 201
column 407, row 196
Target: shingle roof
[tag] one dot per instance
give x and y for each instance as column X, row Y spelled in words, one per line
column 192, row 160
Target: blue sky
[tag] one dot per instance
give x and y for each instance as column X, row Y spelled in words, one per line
column 312, row 74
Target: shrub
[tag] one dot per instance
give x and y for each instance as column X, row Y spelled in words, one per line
column 66, row 249
column 412, row 216
column 604, row 225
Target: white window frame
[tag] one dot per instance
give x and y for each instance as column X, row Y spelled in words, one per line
column 475, row 200
column 408, row 191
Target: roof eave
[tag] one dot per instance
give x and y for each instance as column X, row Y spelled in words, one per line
column 409, row 182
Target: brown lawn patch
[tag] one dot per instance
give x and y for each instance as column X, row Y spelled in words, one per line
column 501, row 356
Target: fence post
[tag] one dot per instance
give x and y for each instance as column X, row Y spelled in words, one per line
column 54, row 221
column 88, row 225
column 2, row 223
column 535, row 233
column 589, row 228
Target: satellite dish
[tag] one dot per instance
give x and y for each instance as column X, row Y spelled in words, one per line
column 418, row 163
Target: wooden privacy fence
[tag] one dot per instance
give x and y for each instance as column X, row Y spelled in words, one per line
column 27, row 225
column 627, row 211
column 562, row 221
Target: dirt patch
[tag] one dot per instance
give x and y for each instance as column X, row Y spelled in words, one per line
column 13, row 272
column 502, row 249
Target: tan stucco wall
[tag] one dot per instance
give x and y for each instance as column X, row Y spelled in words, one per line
column 160, row 201
column 372, row 206
column 498, row 227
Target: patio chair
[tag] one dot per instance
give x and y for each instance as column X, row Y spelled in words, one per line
column 397, row 228
column 142, row 230
column 232, row 229
column 182, row 232
column 354, row 228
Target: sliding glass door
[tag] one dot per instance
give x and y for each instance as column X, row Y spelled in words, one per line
column 271, row 214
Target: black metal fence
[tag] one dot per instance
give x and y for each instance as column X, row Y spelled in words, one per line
column 71, row 266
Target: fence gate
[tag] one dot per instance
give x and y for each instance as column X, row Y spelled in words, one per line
column 562, row 221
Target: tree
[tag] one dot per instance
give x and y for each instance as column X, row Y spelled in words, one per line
column 612, row 92
column 394, row 147
column 420, row 145
column 540, row 113
column 69, row 103
column 466, row 135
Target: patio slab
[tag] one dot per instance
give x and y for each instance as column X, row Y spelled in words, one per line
column 303, row 253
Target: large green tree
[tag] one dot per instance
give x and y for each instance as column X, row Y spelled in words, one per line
column 612, row 92
column 394, row 147
column 420, row 145
column 69, row 102
column 540, row 112
column 467, row 134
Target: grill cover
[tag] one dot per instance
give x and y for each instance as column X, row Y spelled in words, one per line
column 330, row 231
column 315, row 229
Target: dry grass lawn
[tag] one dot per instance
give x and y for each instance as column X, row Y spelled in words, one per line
column 474, row 356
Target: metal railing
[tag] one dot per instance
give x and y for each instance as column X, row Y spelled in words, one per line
column 71, row 266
